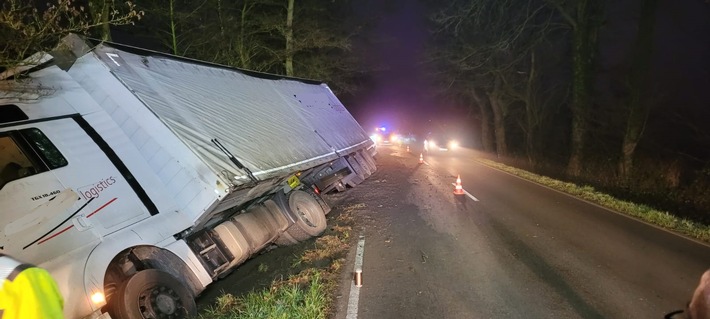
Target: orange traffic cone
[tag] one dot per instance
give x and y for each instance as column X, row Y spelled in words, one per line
column 458, row 190
column 421, row 158
column 407, row 148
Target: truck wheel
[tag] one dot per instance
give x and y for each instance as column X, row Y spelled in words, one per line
column 310, row 217
column 155, row 294
column 326, row 208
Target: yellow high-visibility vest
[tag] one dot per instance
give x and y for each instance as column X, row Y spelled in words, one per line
column 27, row 292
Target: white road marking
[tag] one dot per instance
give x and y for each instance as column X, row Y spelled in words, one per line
column 467, row 193
column 355, row 290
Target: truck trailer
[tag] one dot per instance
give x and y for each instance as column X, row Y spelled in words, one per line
column 137, row 178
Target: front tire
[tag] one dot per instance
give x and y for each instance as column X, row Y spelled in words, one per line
column 153, row 294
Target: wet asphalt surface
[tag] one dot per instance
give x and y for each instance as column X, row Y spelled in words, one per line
column 519, row 251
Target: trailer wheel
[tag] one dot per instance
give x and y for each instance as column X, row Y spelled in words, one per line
column 152, row 294
column 316, row 195
column 310, row 217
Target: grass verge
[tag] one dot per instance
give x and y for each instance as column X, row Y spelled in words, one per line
column 646, row 213
column 306, row 295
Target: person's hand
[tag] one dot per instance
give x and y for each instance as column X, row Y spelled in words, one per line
column 699, row 307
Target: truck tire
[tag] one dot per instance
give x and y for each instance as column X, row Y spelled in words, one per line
column 152, row 293
column 326, row 208
column 310, row 218
column 285, row 240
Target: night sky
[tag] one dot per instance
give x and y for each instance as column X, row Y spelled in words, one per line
column 400, row 93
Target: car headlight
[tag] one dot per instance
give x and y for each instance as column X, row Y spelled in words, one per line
column 453, row 145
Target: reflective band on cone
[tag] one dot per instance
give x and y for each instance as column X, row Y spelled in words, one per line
column 458, row 190
column 358, row 278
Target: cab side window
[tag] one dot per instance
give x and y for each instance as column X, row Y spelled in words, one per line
column 27, row 152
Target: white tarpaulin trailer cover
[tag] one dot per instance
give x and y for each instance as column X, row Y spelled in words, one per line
column 272, row 125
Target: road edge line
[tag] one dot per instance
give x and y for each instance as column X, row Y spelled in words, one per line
column 468, row 194
column 355, row 290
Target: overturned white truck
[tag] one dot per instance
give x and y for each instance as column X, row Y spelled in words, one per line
column 138, row 178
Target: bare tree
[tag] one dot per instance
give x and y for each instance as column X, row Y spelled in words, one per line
column 585, row 19
column 315, row 39
column 26, row 29
column 100, row 10
column 297, row 39
column 487, row 139
column 638, row 107
column 288, row 34
column 492, row 41
column 179, row 25
column 246, row 34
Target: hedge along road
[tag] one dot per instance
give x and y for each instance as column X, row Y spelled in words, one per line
column 521, row 251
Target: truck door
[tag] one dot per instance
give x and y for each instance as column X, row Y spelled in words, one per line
column 59, row 191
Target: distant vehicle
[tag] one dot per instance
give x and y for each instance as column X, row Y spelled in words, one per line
column 440, row 142
column 380, row 136
column 385, row 136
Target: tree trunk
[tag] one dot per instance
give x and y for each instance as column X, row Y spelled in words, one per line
column 100, row 10
column 531, row 114
column 289, row 39
column 486, row 132
column 105, row 27
column 244, row 59
column 584, row 49
column 638, row 109
column 221, row 19
column 173, row 27
column 498, row 117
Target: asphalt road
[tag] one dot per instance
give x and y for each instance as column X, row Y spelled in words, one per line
column 520, row 251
